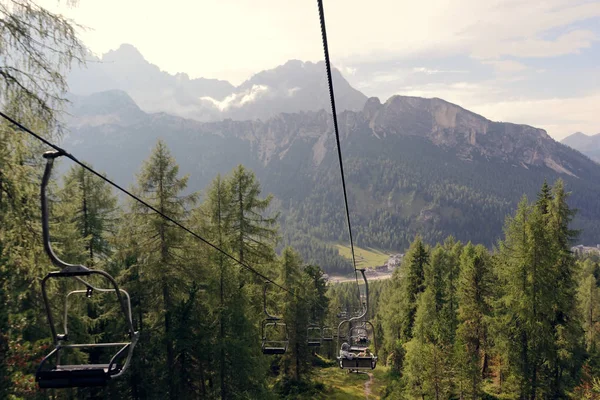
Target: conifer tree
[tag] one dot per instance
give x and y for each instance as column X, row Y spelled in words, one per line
column 295, row 313
column 475, row 296
column 161, row 247
column 400, row 304
column 566, row 355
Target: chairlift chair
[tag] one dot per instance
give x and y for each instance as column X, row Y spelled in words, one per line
column 348, row 358
column 359, row 338
column 314, row 335
column 52, row 373
column 275, row 336
column 327, row 334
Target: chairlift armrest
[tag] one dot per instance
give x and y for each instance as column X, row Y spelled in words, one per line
column 113, row 361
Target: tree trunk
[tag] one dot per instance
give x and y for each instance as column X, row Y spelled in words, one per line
column 221, row 302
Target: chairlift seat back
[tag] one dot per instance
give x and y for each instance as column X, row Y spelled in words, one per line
column 273, row 350
column 358, row 363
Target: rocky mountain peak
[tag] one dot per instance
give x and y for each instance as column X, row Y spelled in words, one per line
column 468, row 134
column 126, row 53
column 587, row 144
column 111, row 107
column 372, row 106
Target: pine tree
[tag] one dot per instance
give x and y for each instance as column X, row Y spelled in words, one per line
column 400, row 301
column 22, row 261
column 295, row 313
column 416, row 260
column 524, row 258
column 537, row 309
column 566, row 354
column 95, row 211
column 589, row 298
column 474, row 295
column 256, row 234
column 161, row 245
column 428, row 359
column 433, row 332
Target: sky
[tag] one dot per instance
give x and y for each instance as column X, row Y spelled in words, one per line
column 535, row 62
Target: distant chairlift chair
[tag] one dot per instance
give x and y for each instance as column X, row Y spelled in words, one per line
column 327, row 334
column 314, row 336
column 51, row 373
column 275, row 336
column 348, row 359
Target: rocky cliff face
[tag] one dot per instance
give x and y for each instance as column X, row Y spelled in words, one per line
column 444, row 124
column 450, row 126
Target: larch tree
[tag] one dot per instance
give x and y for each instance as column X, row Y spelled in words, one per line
column 566, row 355
column 36, row 48
column 475, row 294
column 295, row 314
column 400, row 304
column 161, row 246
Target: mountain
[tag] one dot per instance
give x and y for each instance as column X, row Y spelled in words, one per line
column 587, row 144
column 413, row 165
column 293, row 87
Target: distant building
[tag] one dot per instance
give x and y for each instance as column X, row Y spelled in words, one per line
column 581, row 250
column 394, row 261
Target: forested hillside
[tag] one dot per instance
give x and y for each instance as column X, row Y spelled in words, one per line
column 413, row 166
column 459, row 321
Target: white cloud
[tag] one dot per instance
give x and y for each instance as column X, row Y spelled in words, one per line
column 559, row 117
column 568, row 43
column 429, row 71
column 346, row 71
column 227, row 39
column 506, row 66
column 238, row 99
column 292, row 91
column 231, row 39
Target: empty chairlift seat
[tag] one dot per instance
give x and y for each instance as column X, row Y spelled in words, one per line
column 60, row 369
column 314, row 336
column 274, row 333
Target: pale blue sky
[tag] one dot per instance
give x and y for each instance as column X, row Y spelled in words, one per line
column 524, row 61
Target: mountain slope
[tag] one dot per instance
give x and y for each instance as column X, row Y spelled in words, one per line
column 293, row 87
column 412, row 164
column 587, row 144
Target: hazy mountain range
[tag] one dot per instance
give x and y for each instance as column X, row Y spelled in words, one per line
column 292, row 87
column 587, row 144
column 413, row 165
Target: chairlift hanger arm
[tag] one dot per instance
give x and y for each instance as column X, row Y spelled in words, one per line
column 366, row 308
column 50, row 156
column 269, row 316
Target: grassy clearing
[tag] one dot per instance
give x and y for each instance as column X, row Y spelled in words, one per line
column 368, row 257
column 339, row 384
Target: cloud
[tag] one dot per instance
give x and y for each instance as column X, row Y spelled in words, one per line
column 560, row 117
column 506, row 66
column 568, row 43
column 429, row 71
column 238, row 99
column 347, row 70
